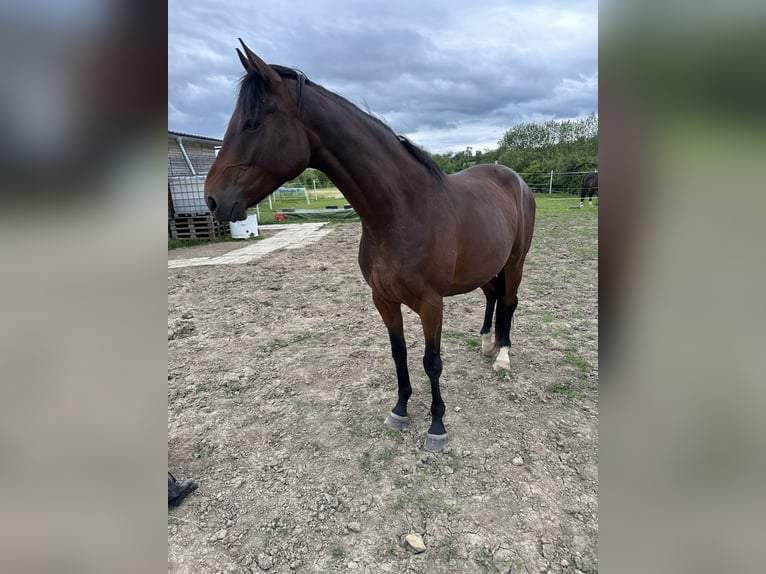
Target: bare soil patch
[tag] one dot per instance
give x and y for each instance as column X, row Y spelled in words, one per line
column 279, row 378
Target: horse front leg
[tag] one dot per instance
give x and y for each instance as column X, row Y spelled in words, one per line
column 431, row 318
column 392, row 317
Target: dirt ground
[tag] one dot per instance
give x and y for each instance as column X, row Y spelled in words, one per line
column 279, row 378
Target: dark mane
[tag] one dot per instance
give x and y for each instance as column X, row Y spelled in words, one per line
column 250, row 97
column 421, row 155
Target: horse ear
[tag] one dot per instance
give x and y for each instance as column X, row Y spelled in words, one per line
column 256, row 64
column 244, row 61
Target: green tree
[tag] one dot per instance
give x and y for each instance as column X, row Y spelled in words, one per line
column 559, row 146
column 532, row 149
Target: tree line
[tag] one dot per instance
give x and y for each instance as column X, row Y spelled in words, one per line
column 532, row 149
column 536, row 149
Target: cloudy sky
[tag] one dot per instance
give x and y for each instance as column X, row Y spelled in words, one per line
column 447, row 74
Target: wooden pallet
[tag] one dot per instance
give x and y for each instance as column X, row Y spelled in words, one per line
column 199, row 227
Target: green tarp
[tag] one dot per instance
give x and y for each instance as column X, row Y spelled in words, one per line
column 320, row 214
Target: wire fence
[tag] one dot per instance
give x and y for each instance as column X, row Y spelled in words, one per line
column 562, row 182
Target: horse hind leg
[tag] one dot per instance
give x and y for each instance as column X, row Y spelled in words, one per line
column 509, row 302
column 489, row 347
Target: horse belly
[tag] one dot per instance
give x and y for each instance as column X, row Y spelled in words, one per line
column 477, row 263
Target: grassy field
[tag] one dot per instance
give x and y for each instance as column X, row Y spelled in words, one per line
column 546, row 204
column 318, row 199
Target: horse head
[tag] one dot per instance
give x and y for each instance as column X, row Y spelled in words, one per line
column 265, row 143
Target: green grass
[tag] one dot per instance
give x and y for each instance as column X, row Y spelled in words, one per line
column 454, row 461
column 564, row 203
column 304, row 336
column 546, row 204
column 273, row 345
column 282, row 527
column 393, row 435
column 472, row 342
column 337, row 552
column 324, row 198
column 367, row 465
column 280, row 343
column 486, row 562
column 570, row 388
column 562, row 332
column 179, row 243
column 202, row 451
column 422, row 501
column 447, row 549
column 573, row 358
column 576, row 387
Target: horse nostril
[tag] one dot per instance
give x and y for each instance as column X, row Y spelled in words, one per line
column 211, row 204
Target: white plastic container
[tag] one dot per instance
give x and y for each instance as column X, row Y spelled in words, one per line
column 245, row 229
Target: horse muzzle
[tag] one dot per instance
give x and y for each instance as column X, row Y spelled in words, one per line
column 226, row 208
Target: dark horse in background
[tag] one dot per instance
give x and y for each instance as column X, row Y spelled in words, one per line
column 589, row 187
column 425, row 235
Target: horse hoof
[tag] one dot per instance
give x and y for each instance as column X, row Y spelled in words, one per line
column 503, row 360
column 435, row 442
column 501, row 366
column 395, row 422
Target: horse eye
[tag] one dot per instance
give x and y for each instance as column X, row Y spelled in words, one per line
column 251, row 124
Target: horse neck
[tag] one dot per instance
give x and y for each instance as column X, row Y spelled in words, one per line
column 367, row 162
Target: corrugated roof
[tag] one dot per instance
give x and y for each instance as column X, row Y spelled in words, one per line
column 172, row 134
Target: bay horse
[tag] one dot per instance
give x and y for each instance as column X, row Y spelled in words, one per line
column 425, row 235
column 589, row 187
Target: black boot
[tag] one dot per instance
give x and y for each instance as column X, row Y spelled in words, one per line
column 177, row 491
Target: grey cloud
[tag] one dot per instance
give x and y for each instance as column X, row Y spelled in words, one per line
column 424, row 69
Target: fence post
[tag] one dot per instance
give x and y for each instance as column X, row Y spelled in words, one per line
column 550, row 185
